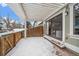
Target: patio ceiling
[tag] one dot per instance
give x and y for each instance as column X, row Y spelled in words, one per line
column 35, row 11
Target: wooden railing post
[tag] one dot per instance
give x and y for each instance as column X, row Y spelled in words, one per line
column 2, row 46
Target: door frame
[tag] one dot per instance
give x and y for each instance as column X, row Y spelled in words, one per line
column 63, row 23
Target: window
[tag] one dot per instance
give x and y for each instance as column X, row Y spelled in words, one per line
column 55, row 27
column 76, row 19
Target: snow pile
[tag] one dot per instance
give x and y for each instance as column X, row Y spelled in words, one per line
column 33, row 46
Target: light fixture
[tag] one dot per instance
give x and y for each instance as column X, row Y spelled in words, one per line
column 66, row 12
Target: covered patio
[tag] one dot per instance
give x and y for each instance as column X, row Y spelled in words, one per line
column 47, row 38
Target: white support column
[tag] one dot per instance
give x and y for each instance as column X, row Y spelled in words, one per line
column 25, row 29
column 43, row 27
column 63, row 26
column 71, row 19
column 47, row 28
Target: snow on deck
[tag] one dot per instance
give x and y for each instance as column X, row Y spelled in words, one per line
column 33, row 46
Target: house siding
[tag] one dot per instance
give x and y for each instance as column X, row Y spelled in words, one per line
column 68, row 39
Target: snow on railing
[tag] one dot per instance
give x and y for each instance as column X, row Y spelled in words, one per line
column 9, row 32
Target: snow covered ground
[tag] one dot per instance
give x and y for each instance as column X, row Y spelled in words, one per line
column 33, row 46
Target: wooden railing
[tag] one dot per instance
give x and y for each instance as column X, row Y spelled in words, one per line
column 35, row 32
column 8, row 41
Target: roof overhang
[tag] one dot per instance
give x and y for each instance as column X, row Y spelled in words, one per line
column 35, row 11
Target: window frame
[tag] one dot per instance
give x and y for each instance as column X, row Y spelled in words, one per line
column 72, row 21
column 63, row 23
column 53, row 19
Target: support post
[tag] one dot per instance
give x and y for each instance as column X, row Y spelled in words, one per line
column 25, row 29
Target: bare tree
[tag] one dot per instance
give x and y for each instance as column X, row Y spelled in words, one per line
column 9, row 25
column 34, row 23
column 1, row 23
column 7, row 22
column 29, row 24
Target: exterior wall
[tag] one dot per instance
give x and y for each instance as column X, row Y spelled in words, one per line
column 69, row 41
column 73, row 41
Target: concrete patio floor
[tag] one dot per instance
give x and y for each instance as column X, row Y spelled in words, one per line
column 33, row 46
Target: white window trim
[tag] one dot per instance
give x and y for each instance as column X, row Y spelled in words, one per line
column 63, row 27
column 44, row 27
column 63, row 23
column 71, row 19
column 72, row 35
column 47, row 28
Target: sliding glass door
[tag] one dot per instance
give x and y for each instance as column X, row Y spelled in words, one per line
column 55, row 27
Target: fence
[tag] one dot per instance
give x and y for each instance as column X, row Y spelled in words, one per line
column 35, row 32
column 8, row 41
